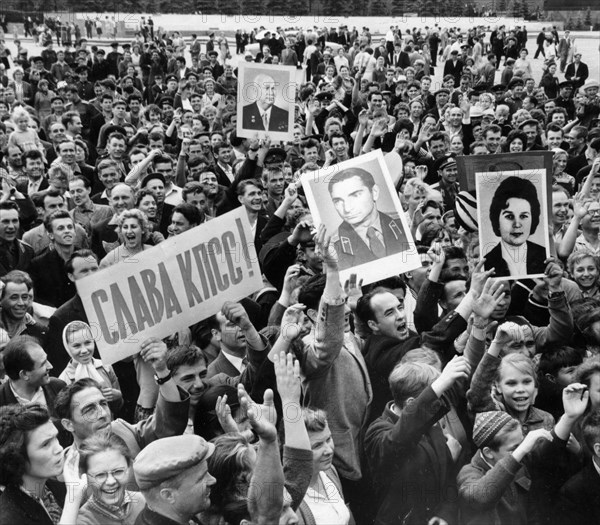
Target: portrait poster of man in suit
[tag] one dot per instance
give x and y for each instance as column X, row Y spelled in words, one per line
column 356, row 201
column 512, row 209
column 266, row 101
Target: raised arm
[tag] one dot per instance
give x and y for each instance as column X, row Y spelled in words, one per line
column 328, row 333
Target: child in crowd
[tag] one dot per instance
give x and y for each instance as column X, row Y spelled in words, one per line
column 23, row 136
column 580, row 496
column 557, row 368
column 511, row 477
column 514, row 384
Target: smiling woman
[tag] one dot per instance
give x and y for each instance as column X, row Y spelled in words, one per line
column 106, row 461
column 133, row 228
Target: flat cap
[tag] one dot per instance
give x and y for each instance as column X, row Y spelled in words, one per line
column 165, row 458
column 443, row 162
column 443, row 90
column 565, row 83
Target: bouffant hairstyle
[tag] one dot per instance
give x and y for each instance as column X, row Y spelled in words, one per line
column 514, row 188
column 16, row 421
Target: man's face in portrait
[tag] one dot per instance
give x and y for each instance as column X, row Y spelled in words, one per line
column 266, row 95
column 353, row 200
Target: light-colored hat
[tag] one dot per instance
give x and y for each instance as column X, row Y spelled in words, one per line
column 165, row 458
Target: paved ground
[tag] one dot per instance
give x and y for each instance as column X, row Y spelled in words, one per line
column 587, row 43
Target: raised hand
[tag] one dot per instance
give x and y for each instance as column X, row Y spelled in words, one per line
column 575, row 400
column 553, row 276
column 292, row 322
column 478, row 278
column 489, row 299
column 458, row 368
column 223, row 411
column 325, row 249
column 353, row 291
column 287, row 373
column 262, row 417
column 236, row 314
column 154, row 351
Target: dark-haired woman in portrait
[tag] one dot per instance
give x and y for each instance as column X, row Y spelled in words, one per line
column 515, row 216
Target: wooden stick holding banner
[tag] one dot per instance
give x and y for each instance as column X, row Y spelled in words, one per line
column 179, row 282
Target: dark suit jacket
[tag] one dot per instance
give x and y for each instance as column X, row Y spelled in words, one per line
column 50, row 281
column 21, row 262
column 23, row 186
column 352, row 250
column 536, row 255
column 403, row 60
column 580, row 498
column 221, row 365
column 251, row 118
column 583, row 73
column 18, row 507
column 50, row 391
column 450, row 68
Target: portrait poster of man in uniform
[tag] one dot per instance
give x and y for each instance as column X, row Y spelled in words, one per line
column 512, row 209
column 357, row 202
column 266, row 98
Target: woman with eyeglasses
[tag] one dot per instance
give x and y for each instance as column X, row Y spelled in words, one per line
column 106, row 460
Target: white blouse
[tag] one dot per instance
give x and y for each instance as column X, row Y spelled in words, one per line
column 329, row 509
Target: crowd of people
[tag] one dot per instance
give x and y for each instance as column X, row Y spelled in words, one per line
column 437, row 396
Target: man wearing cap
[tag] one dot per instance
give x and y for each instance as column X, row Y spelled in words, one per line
column 454, row 66
column 446, row 169
column 172, row 474
column 577, row 72
column 263, row 114
column 565, row 98
column 366, row 234
column 100, row 68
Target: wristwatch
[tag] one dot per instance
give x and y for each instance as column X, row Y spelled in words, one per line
column 554, row 295
column 162, row 380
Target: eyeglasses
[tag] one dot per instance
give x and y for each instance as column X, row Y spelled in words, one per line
column 118, row 474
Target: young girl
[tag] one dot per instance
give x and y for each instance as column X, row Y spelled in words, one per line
column 79, row 342
column 23, row 136
column 509, row 384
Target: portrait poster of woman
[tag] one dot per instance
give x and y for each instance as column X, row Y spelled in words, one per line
column 512, row 209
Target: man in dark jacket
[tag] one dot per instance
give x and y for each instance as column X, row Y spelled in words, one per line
column 27, row 368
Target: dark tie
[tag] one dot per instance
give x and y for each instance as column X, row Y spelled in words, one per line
column 266, row 121
column 377, row 246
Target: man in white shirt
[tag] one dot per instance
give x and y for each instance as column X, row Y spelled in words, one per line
column 165, row 165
